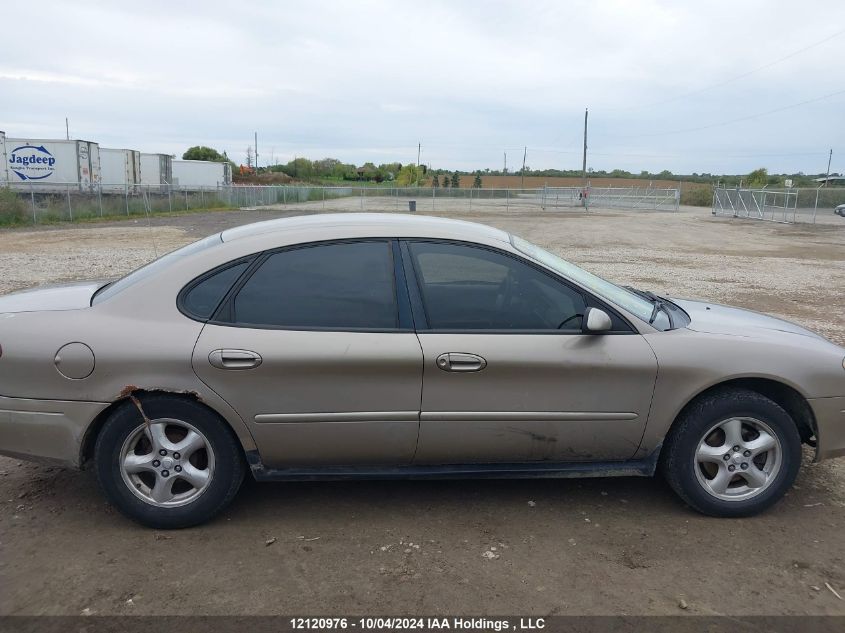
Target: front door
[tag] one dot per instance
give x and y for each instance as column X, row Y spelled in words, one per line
column 508, row 374
column 311, row 353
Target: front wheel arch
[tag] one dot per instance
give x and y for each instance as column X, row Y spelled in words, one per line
column 785, row 396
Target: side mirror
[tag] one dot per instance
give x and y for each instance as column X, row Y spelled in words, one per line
column 595, row 321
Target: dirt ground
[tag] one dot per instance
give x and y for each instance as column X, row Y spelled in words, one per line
column 602, row 546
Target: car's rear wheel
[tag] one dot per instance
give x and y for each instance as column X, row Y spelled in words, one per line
column 732, row 453
column 170, row 464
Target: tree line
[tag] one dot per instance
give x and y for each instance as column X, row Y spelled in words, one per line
column 332, row 169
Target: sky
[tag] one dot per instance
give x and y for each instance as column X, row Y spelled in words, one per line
column 689, row 86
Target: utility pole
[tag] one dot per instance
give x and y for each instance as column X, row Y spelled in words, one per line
column 419, row 149
column 256, row 152
column 505, row 170
column 67, row 131
column 829, row 158
column 524, row 154
column 584, row 166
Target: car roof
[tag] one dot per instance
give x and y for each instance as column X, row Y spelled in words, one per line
column 378, row 224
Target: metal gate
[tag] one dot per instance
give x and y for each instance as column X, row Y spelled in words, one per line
column 611, row 198
column 756, row 204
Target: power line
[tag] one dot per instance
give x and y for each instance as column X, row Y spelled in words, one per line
column 545, row 150
column 737, row 120
column 725, row 82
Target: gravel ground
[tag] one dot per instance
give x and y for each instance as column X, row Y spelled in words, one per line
column 603, row 546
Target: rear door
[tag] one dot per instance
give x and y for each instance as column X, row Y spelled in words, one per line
column 315, row 349
column 508, row 374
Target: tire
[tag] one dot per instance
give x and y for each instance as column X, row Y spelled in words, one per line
column 168, row 490
column 700, row 440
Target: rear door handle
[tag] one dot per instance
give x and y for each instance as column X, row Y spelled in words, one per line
column 459, row 361
column 234, row 359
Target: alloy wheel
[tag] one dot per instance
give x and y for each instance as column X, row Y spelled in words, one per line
column 168, row 463
column 738, row 458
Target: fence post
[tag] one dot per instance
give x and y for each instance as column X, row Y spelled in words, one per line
column 32, row 199
column 100, row 197
column 186, row 200
column 202, row 197
column 433, row 196
column 507, row 199
column 69, row 207
column 126, row 196
column 362, row 198
column 169, row 198
column 470, row 198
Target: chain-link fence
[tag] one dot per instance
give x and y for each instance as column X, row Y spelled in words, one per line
column 442, row 199
column 778, row 205
column 69, row 202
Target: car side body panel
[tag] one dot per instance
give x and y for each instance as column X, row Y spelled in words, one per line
column 49, row 431
column 541, row 397
column 321, row 397
column 147, row 351
column 775, row 356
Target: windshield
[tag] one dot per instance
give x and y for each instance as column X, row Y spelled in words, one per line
column 110, row 290
column 622, row 297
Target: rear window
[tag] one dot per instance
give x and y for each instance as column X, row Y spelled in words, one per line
column 202, row 299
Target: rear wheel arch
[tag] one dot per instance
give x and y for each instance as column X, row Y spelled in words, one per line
column 89, row 439
column 184, row 443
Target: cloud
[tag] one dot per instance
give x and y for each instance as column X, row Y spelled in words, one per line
column 469, row 80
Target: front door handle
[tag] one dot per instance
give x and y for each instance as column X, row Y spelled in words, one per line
column 234, row 359
column 458, row 361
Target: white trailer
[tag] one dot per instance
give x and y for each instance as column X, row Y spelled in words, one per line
column 189, row 174
column 156, row 169
column 45, row 165
column 120, row 170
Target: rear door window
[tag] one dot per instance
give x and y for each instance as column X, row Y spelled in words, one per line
column 327, row 286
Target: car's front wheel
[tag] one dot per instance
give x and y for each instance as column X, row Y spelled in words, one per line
column 167, row 462
column 732, row 453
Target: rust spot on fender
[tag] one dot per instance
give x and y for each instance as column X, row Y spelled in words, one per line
column 129, row 391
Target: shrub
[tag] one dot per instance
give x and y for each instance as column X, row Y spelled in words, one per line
column 13, row 209
column 697, row 197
